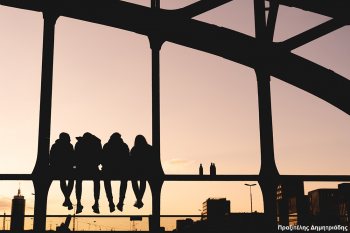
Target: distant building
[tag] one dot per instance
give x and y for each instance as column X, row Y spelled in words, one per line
column 17, row 212
column 216, row 217
column 184, row 224
column 344, row 203
column 214, row 209
column 292, row 204
column 324, row 206
column 233, row 222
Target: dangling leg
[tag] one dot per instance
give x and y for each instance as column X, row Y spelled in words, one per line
column 141, row 193
column 69, row 190
column 122, row 191
column 142, row 188
column 135, row 187
column 78, row 190
column 109, row 194
column 63, row 187
column 95, row 207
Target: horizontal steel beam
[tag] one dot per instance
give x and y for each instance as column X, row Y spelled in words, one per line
column 112, row 216
column 195, row 177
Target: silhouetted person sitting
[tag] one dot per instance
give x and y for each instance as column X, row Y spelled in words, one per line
column 88, row 151
column 143, row 161
column 115, row 161
column 61, row 163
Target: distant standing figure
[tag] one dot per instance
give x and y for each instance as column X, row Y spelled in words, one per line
column 115, row 161
column 143, row 163
column 88, row 151
column 62, row 162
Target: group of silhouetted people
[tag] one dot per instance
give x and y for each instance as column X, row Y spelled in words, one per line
column 83, row 161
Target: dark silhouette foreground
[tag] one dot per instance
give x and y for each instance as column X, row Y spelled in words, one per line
column 143, row 162
column 117, row 161
column 88, row 151
column 62, row 159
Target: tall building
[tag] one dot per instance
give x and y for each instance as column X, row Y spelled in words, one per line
column 324, row 206
column 344, row 203
column 17, row 212
column 214, row 209
column 292, row 204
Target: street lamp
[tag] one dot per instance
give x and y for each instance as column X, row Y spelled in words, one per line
column 251, row 198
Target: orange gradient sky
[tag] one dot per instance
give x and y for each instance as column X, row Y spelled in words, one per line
column 209, row 111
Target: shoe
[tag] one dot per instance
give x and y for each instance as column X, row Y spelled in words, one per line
column 120, row 206
column 79, row 209
column 65, row 203
column 95, row 208
column 138, row 204
column 69, row 205
column 111, row 207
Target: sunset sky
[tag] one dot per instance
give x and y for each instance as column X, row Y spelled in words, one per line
column 209, row 105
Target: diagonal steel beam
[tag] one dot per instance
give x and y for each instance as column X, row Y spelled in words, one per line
column 200, row 7
column 337, row 9
column 225, row 43
column 311, row 34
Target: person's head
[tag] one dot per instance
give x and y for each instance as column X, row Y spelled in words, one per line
column 115, row 137
column 140, row 140
column 87, row 135
column 64, row 137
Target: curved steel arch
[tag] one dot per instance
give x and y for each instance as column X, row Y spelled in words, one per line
column 223, row 42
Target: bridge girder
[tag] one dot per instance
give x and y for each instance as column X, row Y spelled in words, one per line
column 171, row 26
column 337, row 9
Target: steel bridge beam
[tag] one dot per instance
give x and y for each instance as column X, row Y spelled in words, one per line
column 311, row 34
column 156, row 184
column 199, row 7
column 204, row 178
column 42, row 183
column 268, row 175
column 337, row 9
column 219, row 41
column 271, row 19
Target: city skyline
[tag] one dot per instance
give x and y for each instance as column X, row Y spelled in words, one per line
column 204, row 119
column 213, row 209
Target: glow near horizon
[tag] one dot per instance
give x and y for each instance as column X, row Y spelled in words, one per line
column 201, row 116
